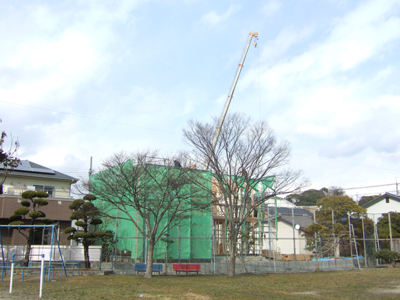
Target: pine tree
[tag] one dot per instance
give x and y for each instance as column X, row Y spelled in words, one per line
column 29, row 214
column 86, row 216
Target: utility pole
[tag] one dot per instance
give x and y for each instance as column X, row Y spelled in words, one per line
column 90, row 172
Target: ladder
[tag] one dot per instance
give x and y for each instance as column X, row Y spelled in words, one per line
column 353, row 240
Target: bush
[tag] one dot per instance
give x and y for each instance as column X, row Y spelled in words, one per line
column 37, row 214
column 89, row 197
column 41, row 202
column 69, row 230
column 22, row 211
column 80, row 223
column 96, row 222
column 25, row 203
column 13, row 218
column 76, row 204
column 388, row 255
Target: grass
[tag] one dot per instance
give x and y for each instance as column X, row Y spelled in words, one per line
column 355, row 284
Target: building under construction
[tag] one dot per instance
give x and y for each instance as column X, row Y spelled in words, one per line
column 199, row 235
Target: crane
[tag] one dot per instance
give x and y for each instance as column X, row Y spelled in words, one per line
column 230, row 95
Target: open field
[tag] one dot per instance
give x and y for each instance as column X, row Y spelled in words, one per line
column 354, row 284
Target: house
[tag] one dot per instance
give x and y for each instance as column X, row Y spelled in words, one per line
column 382, row 205
column 282, row 230
column 32, row 176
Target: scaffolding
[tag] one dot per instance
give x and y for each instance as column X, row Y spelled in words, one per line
column 200, row 235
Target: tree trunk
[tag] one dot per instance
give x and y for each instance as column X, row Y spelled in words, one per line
column 243, row 260
column 86, row 254
column 232, row 255
column 337, row 241
column 27, row 252
column 149, row 269
column 29, row 243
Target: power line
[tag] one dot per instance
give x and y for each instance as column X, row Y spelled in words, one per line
column 343, row 162
column 367, row 187
column 91, row 118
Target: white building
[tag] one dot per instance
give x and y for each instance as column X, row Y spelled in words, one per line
column 382, row 205
column 284, row 234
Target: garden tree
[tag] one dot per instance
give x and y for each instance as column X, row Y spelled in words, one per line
column 8, row 159
column 107, row 245
column 366, row 199
column 384, row 228
column 29, row 214
column 388, row 255
column 308, row 197
column 86, row 216
column 142, row 188
column 247, row 155
column 332, row 224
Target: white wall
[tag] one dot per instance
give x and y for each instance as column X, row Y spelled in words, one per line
column 378, row 209
column 15, row 185
column 285, row 244
column 69, row 253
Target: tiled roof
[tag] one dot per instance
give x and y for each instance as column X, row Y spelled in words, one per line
column 303, row 221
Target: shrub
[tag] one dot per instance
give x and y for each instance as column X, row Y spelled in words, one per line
column 388, row 255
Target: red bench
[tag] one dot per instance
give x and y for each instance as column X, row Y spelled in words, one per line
column 186, row 268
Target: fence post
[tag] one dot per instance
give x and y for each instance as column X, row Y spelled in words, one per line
column 390, row 232
column 365, row 247
column 42, row 276
column 12, row 273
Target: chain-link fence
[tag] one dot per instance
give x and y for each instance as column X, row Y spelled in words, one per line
column 285, row 240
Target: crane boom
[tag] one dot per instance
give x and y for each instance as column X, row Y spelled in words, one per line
column 228, row 100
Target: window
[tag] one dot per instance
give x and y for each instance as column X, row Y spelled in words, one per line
column 48, row 189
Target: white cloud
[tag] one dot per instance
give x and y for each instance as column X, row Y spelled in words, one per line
column 358, row 37
column 213, row 18
column 55, row 51
column 271, row 8
column 326, row 81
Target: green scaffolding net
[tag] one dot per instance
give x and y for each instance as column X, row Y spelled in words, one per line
column 187, row 238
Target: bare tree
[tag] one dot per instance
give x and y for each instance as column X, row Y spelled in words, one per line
column 159, row 192
column 245, row 157
column 8, row 159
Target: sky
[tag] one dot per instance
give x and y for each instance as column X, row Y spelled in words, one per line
column 81, row 79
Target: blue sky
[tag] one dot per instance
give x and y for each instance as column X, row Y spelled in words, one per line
column 90, row 78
